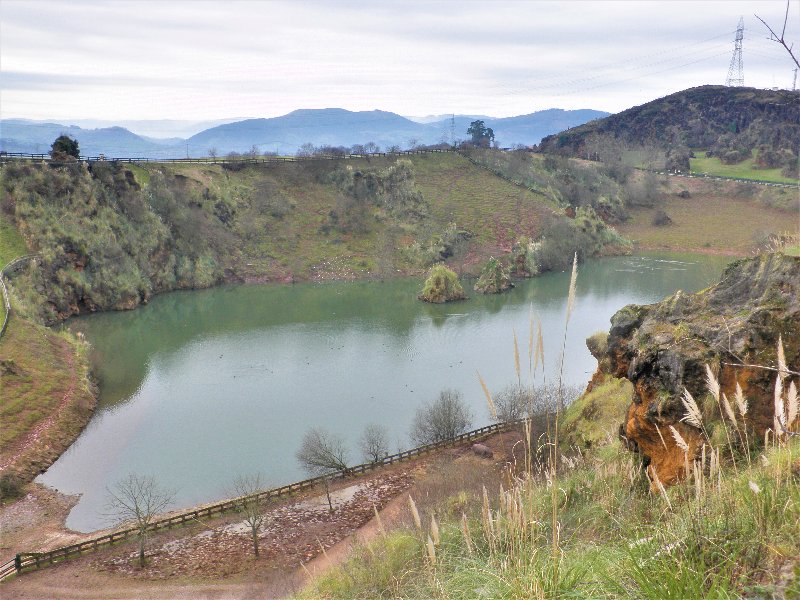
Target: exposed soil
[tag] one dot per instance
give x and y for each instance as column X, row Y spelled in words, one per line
column 214, row 559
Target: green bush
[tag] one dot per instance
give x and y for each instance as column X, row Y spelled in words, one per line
column 442, row 285
column 495, row 278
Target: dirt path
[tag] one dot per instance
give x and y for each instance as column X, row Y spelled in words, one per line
column 214, row 559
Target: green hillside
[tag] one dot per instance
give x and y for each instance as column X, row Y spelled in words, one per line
column 111, row 236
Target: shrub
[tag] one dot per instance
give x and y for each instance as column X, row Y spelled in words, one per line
column 494, row 278
column 10, row 487
column 442, row 285
column 661, row 218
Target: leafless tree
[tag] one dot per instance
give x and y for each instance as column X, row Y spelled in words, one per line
column 322, row 453
column 441, row 420
column 139, row 499
column 371, row 148
column 780, row 39
column 374, row 442
column 246, row 486
column 213, row 152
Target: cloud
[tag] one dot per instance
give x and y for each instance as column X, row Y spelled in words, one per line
column 204, row 60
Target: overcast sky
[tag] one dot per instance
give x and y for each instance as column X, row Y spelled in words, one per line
column 68, row 59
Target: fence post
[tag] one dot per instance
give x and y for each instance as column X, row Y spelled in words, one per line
column 18, row 563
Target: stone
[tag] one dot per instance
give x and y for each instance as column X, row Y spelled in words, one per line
column 482, row 450
column 664, row 348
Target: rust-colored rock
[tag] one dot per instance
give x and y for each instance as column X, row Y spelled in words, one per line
column 663, row 349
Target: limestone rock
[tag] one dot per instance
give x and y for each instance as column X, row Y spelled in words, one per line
column 663, row 349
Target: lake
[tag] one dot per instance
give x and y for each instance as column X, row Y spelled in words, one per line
column 198, row 387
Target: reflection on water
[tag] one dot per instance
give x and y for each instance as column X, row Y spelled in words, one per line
column 198, row 387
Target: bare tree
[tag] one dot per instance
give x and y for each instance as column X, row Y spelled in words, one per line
column 246, row 486
column 513, row 402
column 775, row 38
column 441, row 420
column 374, row 442
column 213, row 152
column 322, row 453
column 371, row 148
column 139, row 499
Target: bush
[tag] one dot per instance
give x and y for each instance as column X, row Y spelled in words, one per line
column 10, row 487
column 441, row 420
column 661, row 219
column 442, row 285
column 494, row 278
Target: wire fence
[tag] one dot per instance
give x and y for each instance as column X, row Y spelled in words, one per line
column 31, row 561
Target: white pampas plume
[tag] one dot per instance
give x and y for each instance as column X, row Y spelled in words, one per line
column 516, row 355
column 435, row 531
column 791, row 405
column 693, row 416
column 489, row 401
column 779, row 407
column 431, row 551
column 728, row 409
column 712, row 383
column 679, row 439
column 783, row 370
column 414, row 512
column 741, row 401
column 573, row 280
column 754, row 487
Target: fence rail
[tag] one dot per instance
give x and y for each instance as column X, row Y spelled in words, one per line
column 30, row 561
column 7, row 156
column 6, row 300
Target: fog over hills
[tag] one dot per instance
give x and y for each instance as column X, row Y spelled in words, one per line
column 285, row 134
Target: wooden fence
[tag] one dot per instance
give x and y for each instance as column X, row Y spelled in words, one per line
column 8, row 156
column 6, row 300
column 30, row 561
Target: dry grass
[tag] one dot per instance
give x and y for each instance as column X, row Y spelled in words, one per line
column 713, row 219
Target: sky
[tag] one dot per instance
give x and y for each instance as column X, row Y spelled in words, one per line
column 70, row 60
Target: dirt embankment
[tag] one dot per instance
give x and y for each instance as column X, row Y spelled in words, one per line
column 214, row 559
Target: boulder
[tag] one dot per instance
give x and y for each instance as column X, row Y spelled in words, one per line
column 733, row 327
column 482, row 450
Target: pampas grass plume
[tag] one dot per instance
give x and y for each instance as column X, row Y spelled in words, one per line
column 489, row 401
column 414, row 512
column 693, row 415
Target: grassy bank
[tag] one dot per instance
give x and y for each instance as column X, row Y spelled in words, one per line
column 746, row 169
column 47, row 397
column 733, row 535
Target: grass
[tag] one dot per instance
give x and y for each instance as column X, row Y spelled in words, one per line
column 39, row 367
column 618, row 540
column 11, row 243
column 717, row 217
column 744, row 170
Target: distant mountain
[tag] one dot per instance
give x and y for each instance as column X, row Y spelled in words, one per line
column 18, row 135
column 320, row 127
column 525, row 129
column 286, row 134
column 724, row 119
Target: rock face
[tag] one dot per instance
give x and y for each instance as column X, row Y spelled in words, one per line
column 732, row 326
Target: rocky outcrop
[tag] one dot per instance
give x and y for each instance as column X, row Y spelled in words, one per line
column 733, row 327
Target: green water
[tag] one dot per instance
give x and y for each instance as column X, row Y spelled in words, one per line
column 198, row 387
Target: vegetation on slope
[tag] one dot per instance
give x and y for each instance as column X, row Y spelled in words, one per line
column 111, row 236
column 47, row 397
column 732, row 122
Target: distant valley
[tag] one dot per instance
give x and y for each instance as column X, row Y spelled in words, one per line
column 286, row 134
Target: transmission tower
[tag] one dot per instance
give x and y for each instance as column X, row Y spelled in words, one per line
column 453, row 130
column 794, row 83
column 736, row 71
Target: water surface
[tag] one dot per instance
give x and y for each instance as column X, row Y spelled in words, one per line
column 198, row 387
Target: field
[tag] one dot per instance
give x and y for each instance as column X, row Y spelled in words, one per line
column 717, row 217
column 743, row 170
column 11, row 246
